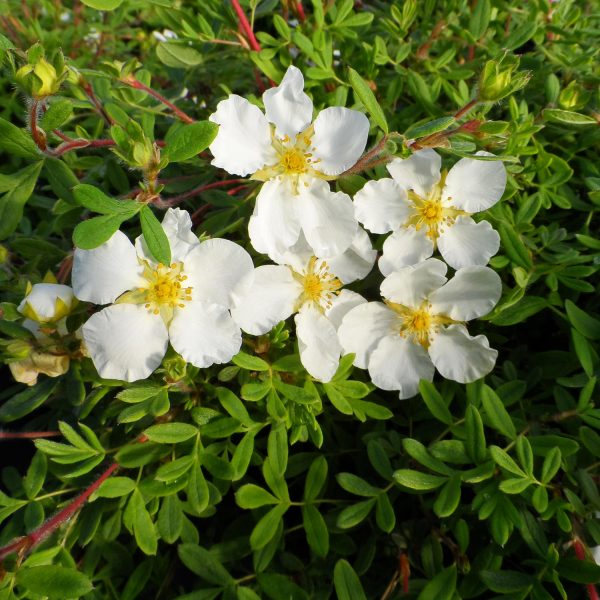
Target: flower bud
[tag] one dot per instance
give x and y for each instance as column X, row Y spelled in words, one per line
column 41, row 78
column 47, row 302
column 573, row 97
column 498, row 79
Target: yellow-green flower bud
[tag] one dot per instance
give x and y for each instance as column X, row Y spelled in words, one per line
column 41, row 78
column 498, row 79
column 47, row 302
column 573, row 97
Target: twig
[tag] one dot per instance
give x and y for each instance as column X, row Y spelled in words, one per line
column 580, row 553
column 245, row 26
column 28, row 435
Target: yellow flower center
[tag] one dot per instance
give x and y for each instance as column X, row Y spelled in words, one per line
column 430, row 212
column 294, row 162
column 165, row 290
column 417, row 324
column 319, row 286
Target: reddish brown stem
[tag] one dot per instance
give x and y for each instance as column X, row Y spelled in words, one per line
column 203, row 188
column 465, row 109
column 300, row 11
column 87, row 88
column 245, row 26
column 65, row 269
column 81, row 143
column 27, row 435
column 580, row 553
column 131, row 81
column 38, row 137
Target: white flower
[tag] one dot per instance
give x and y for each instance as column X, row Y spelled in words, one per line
column 47, row 302
column 186, row 302
column 295, row 159
column 425, row 207
column 312, row 288
column 420, row 327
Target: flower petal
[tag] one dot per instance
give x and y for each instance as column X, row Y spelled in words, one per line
column 327, row 219
column 475, row 185
column 357, row 261
column 101, row 275
column 204, row 334
column 243, row 144
column 287, row 106
column 125, row 341
column 460, row 357
column 215, row 270
column 318, row 344
column 419, row 172
column 42, row 300
column 363, row 327
column 471, row 293
column 466, row 243
column 382, row 205
column 399, row 364
column 271, row 298
column 410, row 286
column 405, row 247
column 339, row 140
column 341, row 305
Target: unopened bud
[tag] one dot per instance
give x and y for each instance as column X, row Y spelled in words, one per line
column 573, row 97
column 41, row 78
column 498, row 79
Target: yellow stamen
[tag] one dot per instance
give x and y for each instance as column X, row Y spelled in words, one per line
column 418, row 324
column 319, row 285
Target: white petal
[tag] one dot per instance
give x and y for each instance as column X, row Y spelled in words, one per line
column 466, row 243
column 460, row 357
column 339, row 140
column 363, row 327
column 471, row 293
column 204, row 334
column 177, row 225
column 327, row 219
column 276, row 224
column 357, row 261
column 271, row 298
column 243, row 144
column 318, row 344
column 382, row 205
column 215, row 269
column 474, row 185
column 42, row 300
column 405, row 247
column 419, row 172
column 410, row 286
column 125, row 341
column 287, row 106
column 342, row 304
column 399, row 364
column 101, row 275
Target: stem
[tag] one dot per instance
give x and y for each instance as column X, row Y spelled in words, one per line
column 87, row 88
column 28, row 435
column 245, row 26
column 38, row 138
column 198, row 190
column 300, row 11
column 80, row 143
column 465, row 109
column 131, row 81
column 580, row 553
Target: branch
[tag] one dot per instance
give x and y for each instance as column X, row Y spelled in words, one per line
column 245, row 26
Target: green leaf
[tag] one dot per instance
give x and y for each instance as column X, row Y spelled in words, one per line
column 234, row 406
column 253, row 496
column 356, row 485
column 364, row 93
column 17, row 142
column 171, row 433
column 96, row 200
column 204, row 564
column 103, row 4
column 551, row 465
column 520, row 35
column 97, row 230
column 58, row 113
column 317, row 534
column 355, row 514
column 277, row 586
column 178, row 56
column 448, row 497
column 520, row 311
column 415, row 480
column 384, row 514
column 36, row 474
column 514, row 247
column 502, row 459
column 115, row 487
column 346, row 582
column 277, row 449
column 315, row 478
column 579, row 571
column 480, row 18
column 496, row 415
column 19, row 186
column 249, row 362
column 514, row 485
column 441, row 587
column 475, row 436
column 189, row 140
column 170, row 519
column 27, row 401
column 429, row 128
column 587, row 325
column 266, row 528
column 155, row 237
column 567, row 117
column 54, row 582
column 418, row 451
column 435, row 403
column 143, row 527
column 505, row 582
column 197, row 490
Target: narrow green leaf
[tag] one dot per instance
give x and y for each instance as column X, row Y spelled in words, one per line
column 155, row 237
column 266, row 528
column 17, row 142
column 249, row 362
column 502, row 459
column 506, row 582
column 435, row 403
column 315, row 478
column 356, row 485
column 551, row 465
column 277, row 448
column 480, row 18
column 317, row 534
column 143, row 527
column 171, row 433
column 170, row 519
column 27, row 401
column 415, row 480
column 103, row 4
column 514, row 247
column 115, row 487
column 57, row 114
column 94, row 199
column 448, row 497
column 346, row 582
column 496, row 415
column 441, row 587
column 587, row 325
column 429, row 128
column 384, row 513
column 94, row 232
column 189, row 140
column 253, row 496
column 567, row 117
column 475, row 437
column 364, row 93
column 204, row 564
column 355, row 514
column 54, row 582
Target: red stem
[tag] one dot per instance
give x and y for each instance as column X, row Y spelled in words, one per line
column 245, row 26
column 580, row 553
column 198, row 190
column 465, row 109
column 28, row 435
column 131, row 81
column 81, row 143
column 39, row 140
column 300, row 11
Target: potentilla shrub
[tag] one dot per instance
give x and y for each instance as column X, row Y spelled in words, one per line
column 299, row 300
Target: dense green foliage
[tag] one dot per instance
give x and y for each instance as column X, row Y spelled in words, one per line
column 253, row 480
